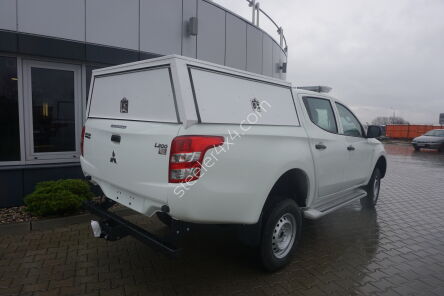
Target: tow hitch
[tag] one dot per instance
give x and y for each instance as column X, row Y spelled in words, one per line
column 113, row 227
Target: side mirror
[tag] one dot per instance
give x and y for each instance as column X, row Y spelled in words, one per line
column 374, row 131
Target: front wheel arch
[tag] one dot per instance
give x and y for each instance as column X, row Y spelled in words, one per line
column 381, row 164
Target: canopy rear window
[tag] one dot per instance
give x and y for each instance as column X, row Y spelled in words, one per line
column 144, row 95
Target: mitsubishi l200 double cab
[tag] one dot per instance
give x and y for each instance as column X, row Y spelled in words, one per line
column 197, row 143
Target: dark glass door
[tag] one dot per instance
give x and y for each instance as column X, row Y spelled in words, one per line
column 9, row 110
column 53, row 108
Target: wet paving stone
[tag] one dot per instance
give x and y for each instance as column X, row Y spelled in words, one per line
column 398, row 249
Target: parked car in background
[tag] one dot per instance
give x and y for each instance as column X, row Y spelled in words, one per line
column 433, row 139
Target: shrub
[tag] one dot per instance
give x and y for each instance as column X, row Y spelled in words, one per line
column 57, row 197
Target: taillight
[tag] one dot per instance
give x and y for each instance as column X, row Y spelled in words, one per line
column 82, row 141
column 186, row 155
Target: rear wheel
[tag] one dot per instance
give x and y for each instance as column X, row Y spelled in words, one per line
column 281, row 234
column 373, row 188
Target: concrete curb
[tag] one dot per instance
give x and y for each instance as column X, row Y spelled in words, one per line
column 52, row 223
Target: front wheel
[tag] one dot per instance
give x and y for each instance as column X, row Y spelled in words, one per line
column 281, row 234
column 416, row 148
column 373, row 188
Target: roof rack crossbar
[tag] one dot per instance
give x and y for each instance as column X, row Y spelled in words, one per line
column 317, row 88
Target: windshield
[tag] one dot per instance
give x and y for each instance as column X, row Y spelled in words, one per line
column 435, row 133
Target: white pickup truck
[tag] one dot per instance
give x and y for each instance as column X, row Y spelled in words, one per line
column 195, row 142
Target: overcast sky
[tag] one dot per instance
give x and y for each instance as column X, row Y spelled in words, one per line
column 380, row 56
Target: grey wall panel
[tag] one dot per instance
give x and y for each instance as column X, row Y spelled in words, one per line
column 144, row 27
column 267, row 56
column 51, row 47
column 188, row 41
column 236, row 42
column 161, row 26
column 56, row 18
column 8, row 41
column 254, row 49
column 8, row 15
column 276, row 60
column 113, row 22
column 211, row 37
column 110, row 55
column 147, row 55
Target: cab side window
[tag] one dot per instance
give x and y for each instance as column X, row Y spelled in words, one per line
column 321, row 113
column 350, row 124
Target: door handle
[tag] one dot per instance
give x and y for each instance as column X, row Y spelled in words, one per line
column 320, row 146
column 350, row 148
column 115, row 138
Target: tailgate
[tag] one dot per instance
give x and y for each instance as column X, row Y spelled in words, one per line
column 132, row 120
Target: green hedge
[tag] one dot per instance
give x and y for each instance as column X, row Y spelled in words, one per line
column 58, row 197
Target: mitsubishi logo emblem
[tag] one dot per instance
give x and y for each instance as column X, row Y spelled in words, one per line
column 113, row 158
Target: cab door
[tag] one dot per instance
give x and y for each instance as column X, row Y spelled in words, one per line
column 358, row 147
column 326, row 144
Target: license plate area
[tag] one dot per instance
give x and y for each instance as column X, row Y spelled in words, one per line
column 127, row 199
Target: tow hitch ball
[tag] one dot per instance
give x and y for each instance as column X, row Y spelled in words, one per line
column 96, row 229
column 108, row 230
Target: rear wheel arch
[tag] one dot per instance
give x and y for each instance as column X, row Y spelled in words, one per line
column 293, row 184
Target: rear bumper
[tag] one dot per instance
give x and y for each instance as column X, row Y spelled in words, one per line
column 135, row 198
column 115, row 227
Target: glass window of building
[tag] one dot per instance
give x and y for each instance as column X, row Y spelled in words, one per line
column 9, row 110
column 53, row 110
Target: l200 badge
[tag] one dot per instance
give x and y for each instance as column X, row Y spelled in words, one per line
column 162, row 148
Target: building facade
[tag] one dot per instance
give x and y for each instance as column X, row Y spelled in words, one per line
column 48, row 49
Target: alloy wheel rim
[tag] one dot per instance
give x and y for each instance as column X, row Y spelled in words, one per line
column 284, row 234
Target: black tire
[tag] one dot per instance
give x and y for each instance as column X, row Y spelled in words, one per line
column 373, row 189
column 416, row 148
column 279, row 241
column 164, row 218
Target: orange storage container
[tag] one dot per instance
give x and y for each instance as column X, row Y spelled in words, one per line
column 407, row 131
